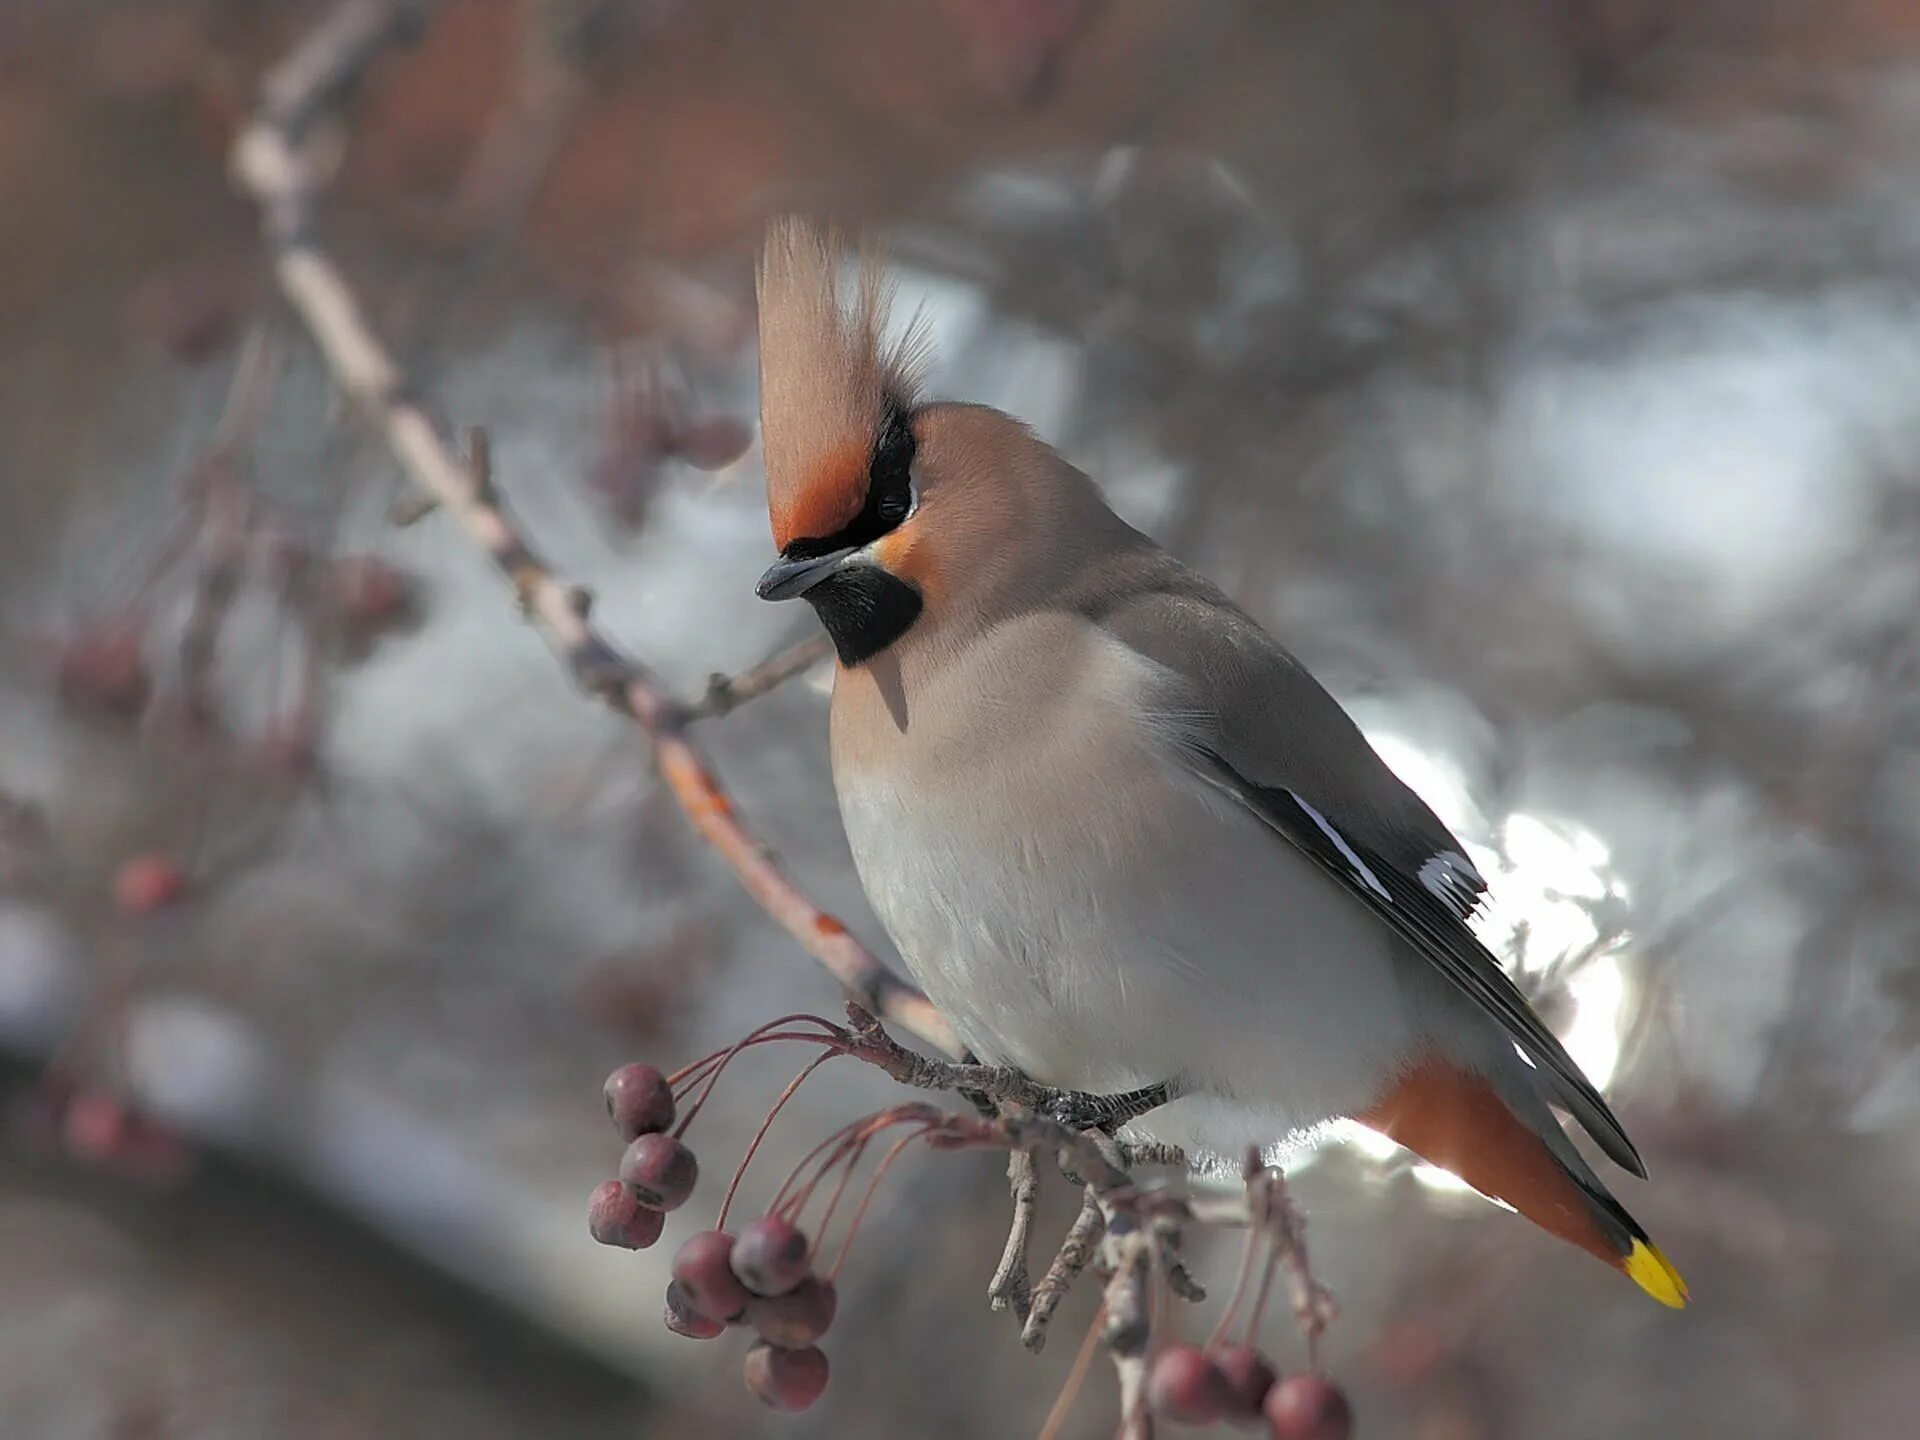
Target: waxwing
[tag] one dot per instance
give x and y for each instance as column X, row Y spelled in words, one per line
column 1119, row 835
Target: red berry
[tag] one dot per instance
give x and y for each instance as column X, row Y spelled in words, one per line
column 1247, row 1376
column 786, row 1380
column 706, row 1279
column 639, row 1100
column 799, row 1317
column 1183, row 1385
column 683, row 1319
column 661, row 1169
column 148, row 883
column 771, row 1256
column 95, row 1125
column 1308, row 1407
column 105, row 672
column 370, row 595
column 615, row 1216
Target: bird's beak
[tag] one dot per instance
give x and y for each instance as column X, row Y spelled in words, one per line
column 786, row 579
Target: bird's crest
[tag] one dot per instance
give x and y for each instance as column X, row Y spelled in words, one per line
column 827, row 378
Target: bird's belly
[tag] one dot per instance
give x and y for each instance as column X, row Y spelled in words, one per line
column 1109, row 944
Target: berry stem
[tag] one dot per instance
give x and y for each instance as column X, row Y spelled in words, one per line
column 873, row 1188
column 1259, row 1311
column 848, row 1138
column 1076, row 1377
column 689, row 1076
column 1247, row 1247
column 853, row 1136
column 709, row 1077
column 766, row 1125
column 840, row 1189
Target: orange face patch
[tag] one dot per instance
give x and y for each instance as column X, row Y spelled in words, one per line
column 902, row 554
column 826, row 499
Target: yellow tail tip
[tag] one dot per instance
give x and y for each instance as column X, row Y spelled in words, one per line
column 1654, row 1273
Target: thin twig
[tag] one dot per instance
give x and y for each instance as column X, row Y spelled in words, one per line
column 226, row 518
column 1129, row 1327
column 1271, row 1209
column 726, row 693
column 271, row 165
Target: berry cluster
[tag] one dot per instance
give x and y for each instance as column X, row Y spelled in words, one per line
column 648, row 425
column 98, row 1128
column 762, row 1279
column 767, row 1276
column 1237, row 1385
column 345, row 604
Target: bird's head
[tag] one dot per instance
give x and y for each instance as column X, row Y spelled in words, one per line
column 837, row 426
column 889, row 514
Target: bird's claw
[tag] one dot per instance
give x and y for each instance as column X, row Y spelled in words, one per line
column 1079, row 1110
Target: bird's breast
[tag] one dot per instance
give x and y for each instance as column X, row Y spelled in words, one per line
column 1081, row 907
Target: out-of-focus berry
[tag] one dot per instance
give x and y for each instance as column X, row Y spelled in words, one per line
column 683, row 1319
column 103, row 671
column 94, row 1125
column 1015, row 45
column 143, row 53
column 147, row 883
column 1183, row 1385
column 771, row 1256
column 285, row 557
column 1247, row 1377
column 99, row 1128
column 370, row 596
column 152, row 1153
column 712, row 444
column 703, row 1271
column 1308, row 1407
column 639, row 1101
column 661, row 1169
column 193, row 311
column 615, row 1216
column 786, row 1380
column 290, row 744
column 797, row 1318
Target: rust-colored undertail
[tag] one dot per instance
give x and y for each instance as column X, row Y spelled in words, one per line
column 1452, row 1117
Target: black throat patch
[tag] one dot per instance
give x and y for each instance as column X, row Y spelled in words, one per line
column 865, row 610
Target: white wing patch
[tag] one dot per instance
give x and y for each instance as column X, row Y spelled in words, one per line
column 1451, row 876
column 1346, row 850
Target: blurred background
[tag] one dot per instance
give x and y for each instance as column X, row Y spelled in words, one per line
column 1545, row 372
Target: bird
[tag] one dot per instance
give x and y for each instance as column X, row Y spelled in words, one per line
column 1122, row 839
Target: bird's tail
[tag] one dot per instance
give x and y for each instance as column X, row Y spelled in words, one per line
column 1453, row 1117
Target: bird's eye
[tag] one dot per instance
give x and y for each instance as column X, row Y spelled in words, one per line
column 890, row 493
column 894, row 504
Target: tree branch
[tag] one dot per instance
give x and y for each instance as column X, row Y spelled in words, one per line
column 272, row 165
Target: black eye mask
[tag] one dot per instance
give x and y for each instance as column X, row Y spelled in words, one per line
column 889, row 490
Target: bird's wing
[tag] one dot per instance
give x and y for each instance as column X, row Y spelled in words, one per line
column 1249, row 719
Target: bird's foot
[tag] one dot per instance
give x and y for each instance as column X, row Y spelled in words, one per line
column 1078, row 1110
